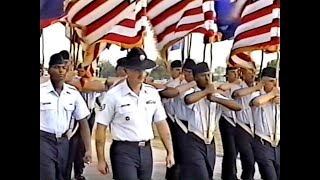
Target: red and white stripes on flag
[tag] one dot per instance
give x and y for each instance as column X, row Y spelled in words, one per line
column 259, row 27
column 172, row 20
column 100, row 22
column 114, row 21
column 243, row 60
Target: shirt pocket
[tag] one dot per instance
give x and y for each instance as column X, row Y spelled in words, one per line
column 69, row 108
column 124, row 110
column 124, row 114
column 47, row 106
column 48, row 110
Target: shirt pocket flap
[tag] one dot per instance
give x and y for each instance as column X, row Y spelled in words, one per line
column 47, row 106
column 124, row 109
column 69, row 106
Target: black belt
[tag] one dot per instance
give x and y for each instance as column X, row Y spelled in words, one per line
column 133, row 143
column 263, row 141
column 47, row 134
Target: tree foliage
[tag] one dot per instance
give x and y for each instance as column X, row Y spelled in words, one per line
column 107, row 69
column 160, row 71
column 272, row 63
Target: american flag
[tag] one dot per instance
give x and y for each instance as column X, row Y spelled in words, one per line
column 243, row 60
column 100, row 22
column 115, row 21
column 172, row 20
column 259, row 29
column 50, row 11
column 91, row 69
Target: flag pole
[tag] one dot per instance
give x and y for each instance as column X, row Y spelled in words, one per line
column 189, row 45
column 182, row 50
column 261, row 65
column 277, row 135
column 42, row 44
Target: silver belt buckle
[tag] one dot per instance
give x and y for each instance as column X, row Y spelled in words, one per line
column 58, row 135
column 142, row 144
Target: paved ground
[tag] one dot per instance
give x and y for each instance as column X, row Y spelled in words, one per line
column 159, row 166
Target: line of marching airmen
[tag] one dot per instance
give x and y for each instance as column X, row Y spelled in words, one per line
column 186, row 111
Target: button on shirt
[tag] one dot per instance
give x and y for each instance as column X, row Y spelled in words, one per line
column 56, row 111
column 131, row 116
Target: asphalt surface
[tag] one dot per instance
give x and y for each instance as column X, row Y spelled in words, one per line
column 91, row 172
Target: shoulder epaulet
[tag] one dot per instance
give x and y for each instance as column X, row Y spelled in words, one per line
column 71, row 87
column 42, row 84
column 149, row 86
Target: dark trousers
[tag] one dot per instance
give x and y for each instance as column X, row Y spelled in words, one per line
column 173, row 172
column 198, row 159
column 228, row 135
column 244, row 143
column 129, row 161
column 53, row 156
column 77, row 151
column 181, row 140
column 76, row 154
column 268, row 159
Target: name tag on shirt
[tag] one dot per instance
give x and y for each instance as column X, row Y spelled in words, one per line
column 125, row 105
column 150, row 102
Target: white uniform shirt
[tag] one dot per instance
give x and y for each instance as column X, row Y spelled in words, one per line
column 266, row 119
column 228, row 114
column 169, row 103
column 244, row 117
column 131, row 116
column 56, row 111
column 181, row 110
column 207, row 114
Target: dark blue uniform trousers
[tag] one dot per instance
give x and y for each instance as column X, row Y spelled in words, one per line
column 77, row 151
column 268, row 159
column 173, row 172
column 53, row 156
column 244, row 143
column 228, row 138
column 129, row 161
column 198, row 159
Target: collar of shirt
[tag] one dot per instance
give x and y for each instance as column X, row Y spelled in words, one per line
column 126, row 89
column 49, row 87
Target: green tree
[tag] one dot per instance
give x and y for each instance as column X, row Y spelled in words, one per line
column 107, row 69
column 219, row 72
column 160, row 71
